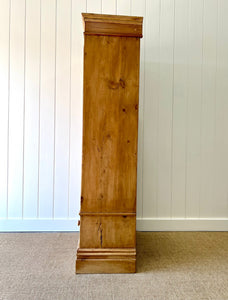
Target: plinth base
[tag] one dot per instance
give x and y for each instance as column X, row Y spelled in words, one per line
column 109, row 260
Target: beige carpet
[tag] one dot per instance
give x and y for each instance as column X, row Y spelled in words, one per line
column 171, row 265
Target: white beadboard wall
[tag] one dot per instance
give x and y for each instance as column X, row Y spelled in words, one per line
column 183, row 116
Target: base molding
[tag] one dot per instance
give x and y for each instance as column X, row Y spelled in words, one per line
column 143, row 224
column 104, row 261
column 41, row 224
column 182, row 224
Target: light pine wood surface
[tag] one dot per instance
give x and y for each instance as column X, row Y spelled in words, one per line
column 110, row 133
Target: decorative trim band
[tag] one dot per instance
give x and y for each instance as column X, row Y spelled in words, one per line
column 182, row 224
column 109, row 260
column 107, row 214
column 96, row 24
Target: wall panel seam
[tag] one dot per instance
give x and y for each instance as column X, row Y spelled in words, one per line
column 54, row 133
column 171, row 172
column 7, row 200
column 201, row 109
column 38, row 169
column 158, row 111
column 70, row 99
column 143, row 111
column 23, row 142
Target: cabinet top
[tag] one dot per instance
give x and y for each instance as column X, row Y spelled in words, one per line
column 100, row 24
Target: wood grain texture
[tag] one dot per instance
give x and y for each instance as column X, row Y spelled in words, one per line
column 108, row 231
column 96, row 24
column 109, row 162
column 105, row 266
column 106, row 260
column 110, row 105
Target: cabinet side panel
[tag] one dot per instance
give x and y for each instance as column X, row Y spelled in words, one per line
column 110, row 124
column 108, row 232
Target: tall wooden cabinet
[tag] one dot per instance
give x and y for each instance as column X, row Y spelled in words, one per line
column 110, row 132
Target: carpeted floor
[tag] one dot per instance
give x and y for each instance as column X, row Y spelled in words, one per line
column 170, row 265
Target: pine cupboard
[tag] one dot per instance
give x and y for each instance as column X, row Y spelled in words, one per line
column 110, row 132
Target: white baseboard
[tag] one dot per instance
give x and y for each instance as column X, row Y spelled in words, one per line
column 181, row 224
column 25, row 225
column 143, row 224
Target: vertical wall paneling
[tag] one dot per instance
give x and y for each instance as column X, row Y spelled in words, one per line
column 46, row 110
column 150, row 116
column 31, row 118
column 195, row 47
column 123, row 7
column 179, row 107
column 94, row 6
column 16, row 108
column 207, row 209
column 220, row 206
column 138, row 8
column 76, row 97
column 109, row 7
column 63, row 45
column 182, row 145
column 165, row 108
column 4, row 83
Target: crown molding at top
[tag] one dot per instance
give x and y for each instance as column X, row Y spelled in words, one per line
column 99, row 24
